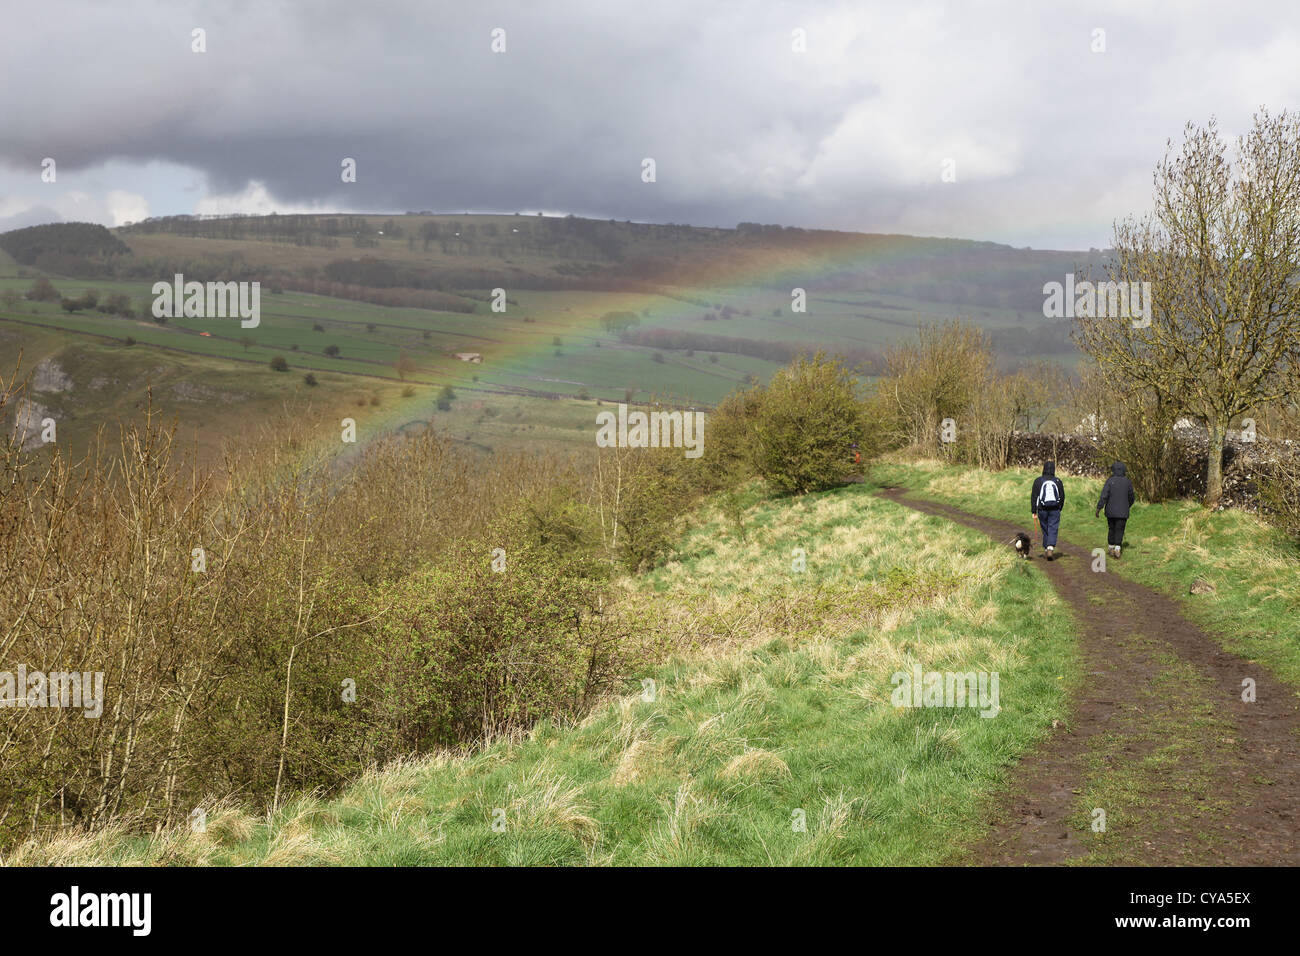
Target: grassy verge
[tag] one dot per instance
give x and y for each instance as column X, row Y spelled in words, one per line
column 1255, row 570
column 768, row 738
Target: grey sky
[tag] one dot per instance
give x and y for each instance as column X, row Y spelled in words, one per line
column 1051, row 141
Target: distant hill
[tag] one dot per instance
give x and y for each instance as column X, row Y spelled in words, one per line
column 597, row 311
column 377, row 309
column 448, row 253
column 69, row 248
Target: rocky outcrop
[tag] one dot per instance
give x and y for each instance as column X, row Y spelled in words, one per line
column 28, row 416
column 48, row 376
column 48, row 379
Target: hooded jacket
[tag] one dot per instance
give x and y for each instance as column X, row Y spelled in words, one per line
column 1049, row 474
column 1117, row 493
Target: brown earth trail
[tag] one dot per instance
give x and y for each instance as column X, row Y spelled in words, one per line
column 1157, row 736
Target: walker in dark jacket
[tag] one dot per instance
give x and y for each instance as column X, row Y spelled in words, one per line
column 1046, row 499
column 1117, row 498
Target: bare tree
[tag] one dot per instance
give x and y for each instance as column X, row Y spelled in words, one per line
column 1221, row 251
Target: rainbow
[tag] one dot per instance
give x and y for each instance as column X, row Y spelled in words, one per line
column 740, row 275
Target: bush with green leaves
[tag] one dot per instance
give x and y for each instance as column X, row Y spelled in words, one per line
column 467, row 652
column 657, row 488
column 557, row 521
column 43, row 290
column 806, row 423
column 729, row 443
column 87, row 301
column 118, row 303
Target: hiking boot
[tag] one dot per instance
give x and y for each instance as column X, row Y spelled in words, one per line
column 1049, row 553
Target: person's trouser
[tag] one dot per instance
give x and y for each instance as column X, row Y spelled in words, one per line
column 1115, row 537
column 1050, row 523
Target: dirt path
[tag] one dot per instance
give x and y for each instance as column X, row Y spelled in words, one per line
column 1157, row 736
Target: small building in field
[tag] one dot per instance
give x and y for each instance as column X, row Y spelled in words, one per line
column 475, row 357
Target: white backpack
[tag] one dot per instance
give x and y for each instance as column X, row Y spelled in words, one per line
column 1049, row 494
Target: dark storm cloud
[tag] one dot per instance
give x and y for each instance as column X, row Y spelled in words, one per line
column 1050, row 139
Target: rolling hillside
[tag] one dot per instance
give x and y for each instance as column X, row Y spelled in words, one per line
column 593, row 312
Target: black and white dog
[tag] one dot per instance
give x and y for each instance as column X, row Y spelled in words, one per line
column 1022, row 544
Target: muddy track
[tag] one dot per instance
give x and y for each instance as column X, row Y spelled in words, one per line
column 1157, row 735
